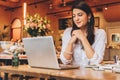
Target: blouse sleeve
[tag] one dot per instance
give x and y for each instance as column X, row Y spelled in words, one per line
column 65, row 39
column 99, row 47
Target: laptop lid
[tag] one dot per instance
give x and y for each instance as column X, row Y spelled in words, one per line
column 41, row 52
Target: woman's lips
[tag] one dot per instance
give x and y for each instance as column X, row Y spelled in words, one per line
column 78, row 22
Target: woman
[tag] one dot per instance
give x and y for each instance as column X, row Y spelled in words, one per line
column 83, row 44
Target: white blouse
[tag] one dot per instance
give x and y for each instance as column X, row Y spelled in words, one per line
column 79, row 56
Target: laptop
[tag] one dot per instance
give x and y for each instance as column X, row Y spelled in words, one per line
column 41, row 53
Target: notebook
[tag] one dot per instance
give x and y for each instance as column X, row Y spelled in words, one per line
column 41, row 53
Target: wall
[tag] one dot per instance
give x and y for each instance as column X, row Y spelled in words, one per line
column 4, row 20
column 42, row 10
column 8, row 16
column 4, row 17
column 104, row 24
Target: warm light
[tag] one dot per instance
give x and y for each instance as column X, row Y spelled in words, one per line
column 64, row 3
column 24, row 12
column 106, row 8
column 51, row 6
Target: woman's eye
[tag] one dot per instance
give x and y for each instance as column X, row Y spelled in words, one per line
column 79, row 14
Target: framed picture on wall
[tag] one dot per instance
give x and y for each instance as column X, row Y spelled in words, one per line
column 64, row 23
column 97, row 21
column 113, row 35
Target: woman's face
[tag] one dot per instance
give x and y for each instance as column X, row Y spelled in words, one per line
column 80, row 18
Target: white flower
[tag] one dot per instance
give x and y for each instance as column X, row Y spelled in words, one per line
column 37, row 25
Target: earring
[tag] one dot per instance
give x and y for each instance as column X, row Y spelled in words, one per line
column 88, row 20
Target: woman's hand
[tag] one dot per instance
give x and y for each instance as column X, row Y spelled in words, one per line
column 73, row 39
column 79, row 34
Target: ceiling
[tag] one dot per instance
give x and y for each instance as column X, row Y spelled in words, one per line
column 16, row 3
column 57, row 3
column 60, row 10
column 57, row 6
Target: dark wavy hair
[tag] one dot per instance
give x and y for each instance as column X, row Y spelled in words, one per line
column 82, row 5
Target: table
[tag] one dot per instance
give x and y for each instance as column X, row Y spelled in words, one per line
column 6, row 59
column 74, row 74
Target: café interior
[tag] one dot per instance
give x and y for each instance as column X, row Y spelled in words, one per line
column 14, row 16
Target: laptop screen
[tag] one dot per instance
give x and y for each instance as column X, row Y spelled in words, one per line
column 41, row 52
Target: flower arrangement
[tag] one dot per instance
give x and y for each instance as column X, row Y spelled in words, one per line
column 16, row 49
column 37, row 25
column 19, row 49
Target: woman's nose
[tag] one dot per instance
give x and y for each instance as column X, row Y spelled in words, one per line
column 76, row 18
